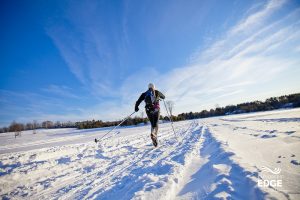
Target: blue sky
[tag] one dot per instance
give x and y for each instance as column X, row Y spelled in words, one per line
column 79, row 60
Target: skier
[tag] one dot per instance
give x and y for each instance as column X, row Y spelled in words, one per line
column 151, row 98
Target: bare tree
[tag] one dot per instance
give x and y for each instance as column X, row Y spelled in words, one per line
column 170, row 106
column 47, row 124
column 17, row 128
column 57, row 124
column 29, row 126
column 34, row 126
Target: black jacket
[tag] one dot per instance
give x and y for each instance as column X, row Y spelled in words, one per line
column 157, row 93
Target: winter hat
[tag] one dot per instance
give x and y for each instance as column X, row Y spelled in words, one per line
column 151, row 85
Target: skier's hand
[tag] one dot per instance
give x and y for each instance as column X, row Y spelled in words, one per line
column 136, row 109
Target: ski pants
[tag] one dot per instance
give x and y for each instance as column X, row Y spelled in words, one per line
column 153, row 118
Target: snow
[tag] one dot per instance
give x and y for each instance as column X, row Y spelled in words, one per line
column 213, row 158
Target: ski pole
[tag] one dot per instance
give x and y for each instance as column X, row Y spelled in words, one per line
column 170, row 118
column 97, row 140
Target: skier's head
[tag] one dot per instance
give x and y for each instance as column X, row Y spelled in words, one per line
column 151, row 86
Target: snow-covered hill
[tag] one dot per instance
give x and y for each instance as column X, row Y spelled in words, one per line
column 207, row 159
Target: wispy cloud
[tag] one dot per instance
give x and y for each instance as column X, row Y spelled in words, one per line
column 26, row 105
column 252, row 21
column 252, row 24
column 92, row 45
column 249, row 55
column 62, row 91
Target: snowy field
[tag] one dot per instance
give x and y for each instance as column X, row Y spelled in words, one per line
column 213, row 158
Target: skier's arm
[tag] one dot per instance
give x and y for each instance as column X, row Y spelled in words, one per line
column 138, row 102
column 160, row 95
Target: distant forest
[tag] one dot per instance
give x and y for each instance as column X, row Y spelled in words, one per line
column 286, row 101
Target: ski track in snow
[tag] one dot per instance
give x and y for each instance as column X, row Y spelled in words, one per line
column 214, row 158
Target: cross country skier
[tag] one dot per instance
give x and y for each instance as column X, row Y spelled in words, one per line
column 151, row 98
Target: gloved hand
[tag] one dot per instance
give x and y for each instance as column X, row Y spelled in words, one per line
column 136, row 109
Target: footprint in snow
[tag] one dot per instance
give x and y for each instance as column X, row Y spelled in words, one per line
column 289, row 132
column 295, row 162
column 33, row 156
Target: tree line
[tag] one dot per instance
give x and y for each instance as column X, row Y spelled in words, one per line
column 285, row 101
column 18, row 127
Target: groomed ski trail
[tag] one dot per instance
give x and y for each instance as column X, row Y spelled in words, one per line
column 213, row 158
